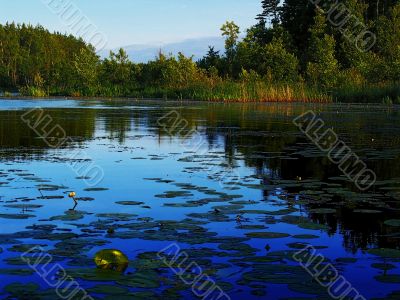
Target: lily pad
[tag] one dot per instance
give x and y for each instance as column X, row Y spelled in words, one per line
column 346, row 260
column 117, row 216
column 70, row 215
column 174, row 194
column 367, row 211
column 384, row 267
column 16, row 216
column 129, row 203
column 323, row 211
column 108, row 289
column 95, row 189
column 251, row 227
column 93, row 274
column 305, row 236
column 267, row 235
column 388, row 278
column 21, row 289
column 385, row 252
column 17, row 272
column 393, row 222
column 111, row 259
column 313, row 226
column 148, row 279
column 23, row 206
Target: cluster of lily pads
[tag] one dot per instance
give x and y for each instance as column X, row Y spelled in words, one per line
column 246, row 261
column 245, row 243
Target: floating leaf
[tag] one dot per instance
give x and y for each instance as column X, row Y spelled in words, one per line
column 367, row 211
column 313, row 226
column 16, row 216
column 267, row 235
column 388, row 278
column 385, row 252
column 323, row 211
column 393, row 222
column 108, row 289
column 305, row 236
column 346, row 260
column 99, row 189
column 129, row 203
column 23, row 206
column 382, row 266
column 111, row 259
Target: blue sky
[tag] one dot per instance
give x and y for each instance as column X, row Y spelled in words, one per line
column 126, row 22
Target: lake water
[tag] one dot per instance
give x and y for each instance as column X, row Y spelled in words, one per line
column 238, row 188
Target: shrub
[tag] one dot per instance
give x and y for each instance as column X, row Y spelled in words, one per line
column 32, row 91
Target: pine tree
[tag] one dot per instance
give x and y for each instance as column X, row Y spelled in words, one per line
column 212, row 59
column 270, row 11
column 297, row 17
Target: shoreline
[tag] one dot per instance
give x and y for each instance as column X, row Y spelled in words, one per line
column 171, row 100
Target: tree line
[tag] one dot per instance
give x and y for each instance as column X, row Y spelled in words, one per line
column 308, row 50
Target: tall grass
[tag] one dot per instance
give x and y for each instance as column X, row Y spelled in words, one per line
column 33, row 91
column 231, row 91
column 382, row 93
column 260, row 91
column 239, row 91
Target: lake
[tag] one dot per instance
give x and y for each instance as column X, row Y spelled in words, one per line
column 210, row 200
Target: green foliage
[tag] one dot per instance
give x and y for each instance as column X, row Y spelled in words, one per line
column 322, row 68
column 118, row 75
column 387, row 100
column 293, row 53
column 376, row 93
column 297, row 17
column 32, row 56
column 86, row 65
column 32, row 91
column 168, row 72
column 347, row 50
column 279, row 65
column 117, row 68
column 388, row 37
column 270, row 10
column 212, row 62
column 231, row 31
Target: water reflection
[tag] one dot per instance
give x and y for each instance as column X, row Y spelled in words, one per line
column 264, row 139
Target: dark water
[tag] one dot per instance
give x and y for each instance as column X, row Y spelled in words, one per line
column 237, row 187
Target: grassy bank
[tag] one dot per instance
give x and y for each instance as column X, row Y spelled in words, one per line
column 250, row 92
column 236, row 91
column 386, row 94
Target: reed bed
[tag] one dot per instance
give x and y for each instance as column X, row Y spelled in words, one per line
column 242, row 91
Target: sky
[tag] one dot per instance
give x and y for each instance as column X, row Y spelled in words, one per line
column 127, row 22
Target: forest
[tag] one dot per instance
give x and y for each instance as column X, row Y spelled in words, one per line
column 298, row 50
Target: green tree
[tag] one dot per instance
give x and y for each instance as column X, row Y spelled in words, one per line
column 117, row 68
column 322, row 67
column 270, row 11
column 231, row 31
column 86, row 65
column 252, row 52
column 388, row 39
column 297, row 18
column 211, row 60
column 279, row 65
